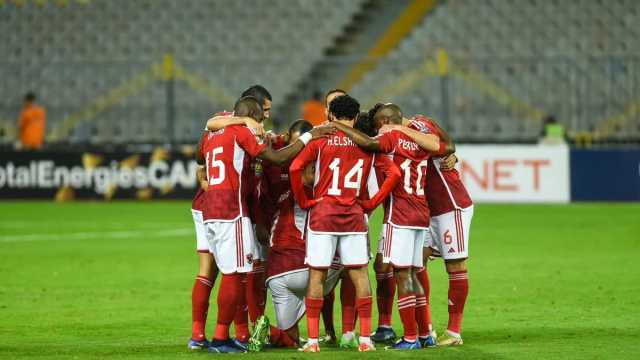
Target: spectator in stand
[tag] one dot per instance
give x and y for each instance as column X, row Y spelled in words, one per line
column 31, row 124
column 313, row 110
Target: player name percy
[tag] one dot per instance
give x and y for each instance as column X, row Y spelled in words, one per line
column 45, row 174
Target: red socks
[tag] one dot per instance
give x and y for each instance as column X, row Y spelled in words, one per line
column 280, row 338
column 200, row 306
column 385, row 294
column 458, row 290
column 327, row 312
column 256, row 291
column 407, row 309
column 363, row 305
column 423, row 310
column 348, row 302
column 314, row 306
column 422, row 316
column 241, row 321
column 229, row 295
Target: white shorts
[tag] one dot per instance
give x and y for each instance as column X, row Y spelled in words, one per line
column 288, row 291
column 450, row 233
column 321, row 248
column 202, row 245
column 232, row 244
column 401, row 247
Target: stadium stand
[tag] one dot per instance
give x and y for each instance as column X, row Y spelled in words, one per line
column 80, row 55
column 577, row 60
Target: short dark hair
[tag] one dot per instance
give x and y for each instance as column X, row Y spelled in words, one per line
column 30, row 96
column 344, row 107
column 248, row 106
column 259, row 92
column 333, row 91
column 364, row 123
column 374, row 110
column 301, row 126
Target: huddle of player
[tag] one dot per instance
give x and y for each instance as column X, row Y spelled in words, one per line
column 291, row 212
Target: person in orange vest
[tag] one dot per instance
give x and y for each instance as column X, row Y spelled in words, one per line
column 313, row 110
column 32, row 123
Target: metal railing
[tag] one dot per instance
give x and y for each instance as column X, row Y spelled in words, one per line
column 479, row 99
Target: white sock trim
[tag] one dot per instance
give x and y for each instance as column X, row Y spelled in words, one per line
column 454, row 334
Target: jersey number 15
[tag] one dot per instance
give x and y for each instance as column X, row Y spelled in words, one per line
column 212, row 164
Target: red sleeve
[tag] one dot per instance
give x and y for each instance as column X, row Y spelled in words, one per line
column 247, row 141
column 423, row 124
column 391, row 178
column 306, row 156
column 387, row 142
column 200, row 149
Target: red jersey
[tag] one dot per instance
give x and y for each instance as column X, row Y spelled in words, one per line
column 407, row 205
column 228, row 154
column 445, row 190
column 273, row 183
column 287, row 245
column 198, row 199
column 342, row 171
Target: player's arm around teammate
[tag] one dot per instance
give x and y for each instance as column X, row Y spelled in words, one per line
column 336, row 222
column 222, row 121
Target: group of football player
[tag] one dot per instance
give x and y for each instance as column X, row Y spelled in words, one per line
column 290, row 213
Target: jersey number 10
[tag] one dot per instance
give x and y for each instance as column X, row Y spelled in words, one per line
column 406, row 168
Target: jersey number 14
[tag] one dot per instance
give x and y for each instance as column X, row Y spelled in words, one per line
column 352, row 179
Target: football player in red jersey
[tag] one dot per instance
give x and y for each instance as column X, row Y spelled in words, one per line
column 329, row 299
column 406, row 219
column 253, row 302
column 451, row 213
column 287, row 274
column 227, row 154
column 337, row 217
column 207, row 269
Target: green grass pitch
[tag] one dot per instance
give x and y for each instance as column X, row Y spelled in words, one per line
column 113, row 281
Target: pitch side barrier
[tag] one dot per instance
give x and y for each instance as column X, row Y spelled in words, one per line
column 72, row 175
column 605, row 175
column 492, row 173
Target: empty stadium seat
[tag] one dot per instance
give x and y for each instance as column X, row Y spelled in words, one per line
column 557, row 56
column 71, row 55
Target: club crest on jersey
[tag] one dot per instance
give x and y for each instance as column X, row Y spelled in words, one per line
column 257, row 167
column 250, row 258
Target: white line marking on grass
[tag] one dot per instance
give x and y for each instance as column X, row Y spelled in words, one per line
column 97, row 235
